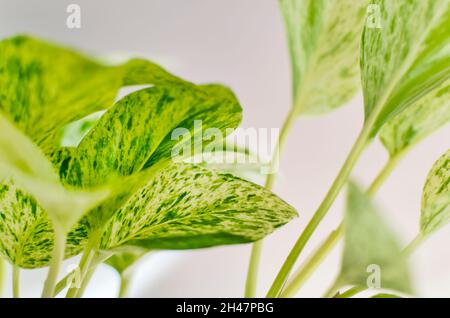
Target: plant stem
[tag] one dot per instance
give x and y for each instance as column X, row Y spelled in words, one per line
column 308, row 268
column 85, row 263
column 65, row 280
column 86, row 280
column 413, row 245
column 333, row 192
column 384, row 173
column 125, row 280
column 55, row 263
column 304, row 272
column 16, row 281
column 252, row 273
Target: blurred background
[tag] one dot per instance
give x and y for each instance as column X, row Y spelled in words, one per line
column 241, row 43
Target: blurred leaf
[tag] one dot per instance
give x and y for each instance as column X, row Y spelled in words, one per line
column 436, row 196
column 185, row 206
column 324, row 40
column 417, row 121
column 26, row 232
column 123, row 260
column 368, row 242
column 404, row 59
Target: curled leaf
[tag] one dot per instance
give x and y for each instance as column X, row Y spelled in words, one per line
column 417, row 121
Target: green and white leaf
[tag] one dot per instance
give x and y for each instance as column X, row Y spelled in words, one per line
column 324, row 41
column 417, row 121
column 23, row 162
column 436, row 197
column 186, row 206
column 404, row 59
column 43, row 87
column 368, row 241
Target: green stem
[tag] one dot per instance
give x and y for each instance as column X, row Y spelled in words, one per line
column 86, row 280
column 304, row 273
column 85, row 263
column 65, row 280
column 252, row 273
column 413, row 245
column 16, row 281
column 125, row 280
column 55, row 263
column 333, row 192
column 308, row 268
column 384, row 173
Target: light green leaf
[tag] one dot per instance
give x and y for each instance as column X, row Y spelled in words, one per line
column 43, row 87
column 417, row 121
column 123, row 142
column 384, row 295
column 368, row 242
column 123, row 260
column 404, row 59
column 436, row 197
column 186, row 206
column 25, row 228
column 324, row 40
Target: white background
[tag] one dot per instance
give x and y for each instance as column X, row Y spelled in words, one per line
column 241, row 43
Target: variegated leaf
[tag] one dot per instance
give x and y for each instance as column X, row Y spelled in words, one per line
column 369, row 246
column 436, row 197
column 324, row 40
column 44, row 87
column 187, row 206
column 137, row 131
column 405, row 54
column 417, row 121
column 26, row 233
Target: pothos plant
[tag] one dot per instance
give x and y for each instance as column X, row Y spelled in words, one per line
column 116, row 195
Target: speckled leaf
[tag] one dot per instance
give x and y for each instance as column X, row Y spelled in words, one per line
column 324, row 40
column 123, row 142
column 367, row 241
column 436, row 197
column 404, row 59
column 417, row 121
column 26, row 237
column 44, row 87
column 186, row 206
